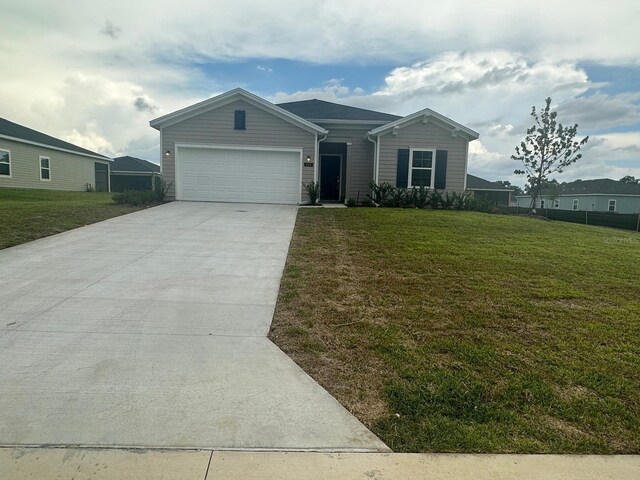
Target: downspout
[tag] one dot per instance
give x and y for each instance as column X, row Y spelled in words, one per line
column 375, row 156
column 316, row 165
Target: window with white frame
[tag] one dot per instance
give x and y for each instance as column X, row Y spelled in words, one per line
column 556, row 203
column 45, row 168
column 5, row 163
column 612, row 205
column 422, row 168
column 576, row 202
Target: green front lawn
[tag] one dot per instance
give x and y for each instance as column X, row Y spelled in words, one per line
column 26, row 215
column 468, row 332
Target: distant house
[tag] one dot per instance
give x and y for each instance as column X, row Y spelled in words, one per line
column 32, row 159
column 600, row 195
column 493, row 192
column 130, row 173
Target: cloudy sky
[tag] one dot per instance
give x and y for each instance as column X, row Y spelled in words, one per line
column 96, row 73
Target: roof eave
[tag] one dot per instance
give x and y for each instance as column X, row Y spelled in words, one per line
column 66, row 150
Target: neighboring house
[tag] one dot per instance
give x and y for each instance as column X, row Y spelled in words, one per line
column 130, row 173
column 493, row 192
column 600, row 195
column 238, row 147
column 31, row 159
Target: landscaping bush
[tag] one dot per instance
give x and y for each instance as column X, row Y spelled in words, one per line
column 380, row 192
column 313, row 190
column 135, row 197
column 351, row 203
column 160, row 188
column 386, row 195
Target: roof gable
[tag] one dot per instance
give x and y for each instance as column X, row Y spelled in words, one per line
column 427, row 115
column 322, row 110
column 133, row 164
column 226, row 98
column 20, row 133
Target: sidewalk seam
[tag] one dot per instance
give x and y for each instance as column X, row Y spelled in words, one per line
column 206, row 474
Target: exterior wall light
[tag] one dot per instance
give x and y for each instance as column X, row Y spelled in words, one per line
column 167, row 153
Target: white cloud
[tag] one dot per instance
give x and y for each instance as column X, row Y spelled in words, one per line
column 600, row 111
column 331, row 91
column 90, row 138
column 106, row 69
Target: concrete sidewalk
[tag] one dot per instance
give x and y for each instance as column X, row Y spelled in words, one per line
column 80, row 464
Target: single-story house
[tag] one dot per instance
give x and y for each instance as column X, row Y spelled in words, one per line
column 493, row 192
column 130, row 173
column 599, row 195
column 32, row 159
column 238, row 147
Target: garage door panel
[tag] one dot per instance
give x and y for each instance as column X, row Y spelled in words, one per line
column 217, row 174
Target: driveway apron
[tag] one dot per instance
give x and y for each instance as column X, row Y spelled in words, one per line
column 149, row 330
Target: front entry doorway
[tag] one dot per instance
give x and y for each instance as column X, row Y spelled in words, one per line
column 330, row 167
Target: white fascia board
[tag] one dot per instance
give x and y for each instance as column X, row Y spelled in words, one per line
column 66, row 150
column 430, row 114
column 226, row 98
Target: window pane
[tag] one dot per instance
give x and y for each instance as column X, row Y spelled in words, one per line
column 420, row 178
column 5, row 169
column 45, row 173
column 240, row 117
column 4, row 156
column 422, row 159
column 44, row 162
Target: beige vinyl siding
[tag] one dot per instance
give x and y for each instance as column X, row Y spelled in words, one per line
column 216, row 127
column 359, row 164
column 428, row 136
column 69, row 171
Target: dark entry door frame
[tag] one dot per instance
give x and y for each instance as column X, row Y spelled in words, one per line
column 330, row 191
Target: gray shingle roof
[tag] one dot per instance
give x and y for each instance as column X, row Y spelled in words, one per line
column 12, row 129
column 601, row 185
column 133, row 164
column 477, row 183
column 321, row 110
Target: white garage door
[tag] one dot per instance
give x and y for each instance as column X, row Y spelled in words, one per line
column 232, row 175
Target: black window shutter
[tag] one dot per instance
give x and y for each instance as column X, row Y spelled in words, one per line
column 402, row 172
column 240, row 120
column 441, row 170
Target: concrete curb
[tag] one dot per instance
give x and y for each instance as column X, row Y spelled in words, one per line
column 110, row 464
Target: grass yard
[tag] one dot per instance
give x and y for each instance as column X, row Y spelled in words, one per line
column 26, row 215
column 467, row 332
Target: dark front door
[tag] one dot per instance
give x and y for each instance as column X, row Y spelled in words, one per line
column 330, row 177
column 102, row 177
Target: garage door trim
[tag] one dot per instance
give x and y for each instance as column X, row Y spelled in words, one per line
column 178, row 146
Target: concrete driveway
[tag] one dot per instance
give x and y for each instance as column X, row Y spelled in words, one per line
column 150, row 330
